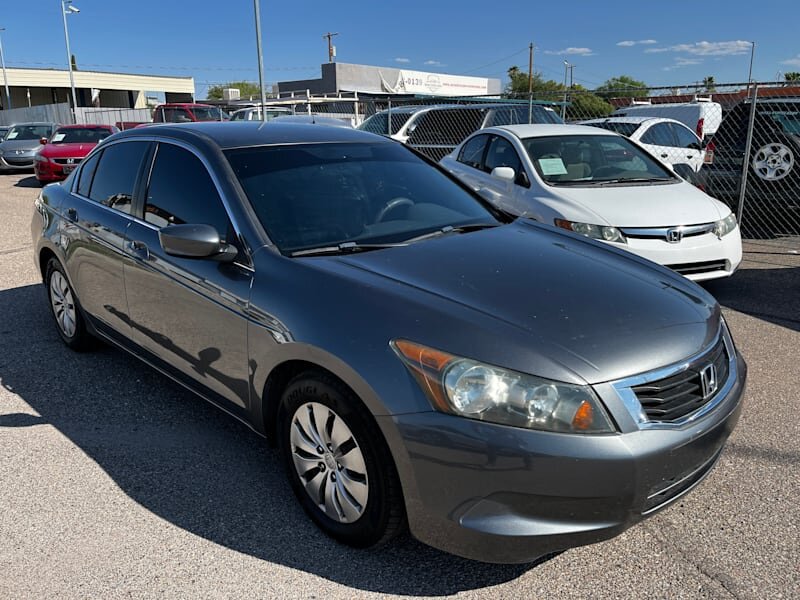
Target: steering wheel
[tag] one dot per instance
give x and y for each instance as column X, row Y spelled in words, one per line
column 392, row 205
column 606, row 171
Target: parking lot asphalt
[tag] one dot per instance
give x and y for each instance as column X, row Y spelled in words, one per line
column 116, row 482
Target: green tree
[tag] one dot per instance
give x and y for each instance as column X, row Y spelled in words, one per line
column 247, row 89
column 622, row 87
column 582, row 103
column 792, row 77
column 709, row 84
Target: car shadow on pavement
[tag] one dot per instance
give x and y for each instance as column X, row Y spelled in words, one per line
column 772, row 295
column 194, row 466
column 28, row 182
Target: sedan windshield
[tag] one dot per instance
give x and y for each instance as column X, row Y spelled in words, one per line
column 80, row 135
column 588, row 160
column 29, row 132
column 351, row 194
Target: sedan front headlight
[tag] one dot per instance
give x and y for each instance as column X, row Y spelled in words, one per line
column 596, row 232
column 476, row 390
column 725, row 226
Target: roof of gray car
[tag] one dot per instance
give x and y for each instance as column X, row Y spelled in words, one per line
column 253, row 133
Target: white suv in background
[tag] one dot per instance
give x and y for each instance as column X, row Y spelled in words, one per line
column 667, row 139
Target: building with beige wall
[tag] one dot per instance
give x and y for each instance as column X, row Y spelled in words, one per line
column 33, row 87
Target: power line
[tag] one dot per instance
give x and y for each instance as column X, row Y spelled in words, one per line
column 495, row 62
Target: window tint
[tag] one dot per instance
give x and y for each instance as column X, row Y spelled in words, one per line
column 626, row 129
column 472, row 152
column 182, row 191
column 87, row 172
column 115, row 176
column 502, row 154
column 659, row 134
column 685, row 138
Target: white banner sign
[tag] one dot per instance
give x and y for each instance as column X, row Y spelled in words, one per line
column 419, row 82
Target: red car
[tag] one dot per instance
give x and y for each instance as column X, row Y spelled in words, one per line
column 67, row 147
column 187, row 112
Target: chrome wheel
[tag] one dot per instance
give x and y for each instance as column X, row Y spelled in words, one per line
column 773, row 162
column 63, row 304
column 329, row 462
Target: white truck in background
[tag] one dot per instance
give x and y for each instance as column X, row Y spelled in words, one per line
column 701, row 115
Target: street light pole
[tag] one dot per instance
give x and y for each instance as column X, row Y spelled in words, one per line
column 5, row 77
column 257, row 9
column 66, row 7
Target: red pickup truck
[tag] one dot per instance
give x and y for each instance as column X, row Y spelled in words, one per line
column 174, row 112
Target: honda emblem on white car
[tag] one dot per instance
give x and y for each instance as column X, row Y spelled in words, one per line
column 674, row 236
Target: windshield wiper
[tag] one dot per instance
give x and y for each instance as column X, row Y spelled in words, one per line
column 343, row 248
column 450, row 229
column 633, row 180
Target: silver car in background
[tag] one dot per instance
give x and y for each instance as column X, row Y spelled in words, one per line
column 21, row 143
column 501, row 388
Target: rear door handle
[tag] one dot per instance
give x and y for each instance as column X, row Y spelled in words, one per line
column 665, row 155
column 138, row 249
column 72, row 215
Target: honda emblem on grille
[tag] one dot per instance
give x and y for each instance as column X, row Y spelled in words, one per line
column 708, row 381
column 70, row 161
column 674, row 236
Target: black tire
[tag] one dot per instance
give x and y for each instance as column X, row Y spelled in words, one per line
column 79, row 339
column 383, row 516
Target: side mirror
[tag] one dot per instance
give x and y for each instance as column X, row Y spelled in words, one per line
column 43, row 141
column 504, row 173
column 195, row 241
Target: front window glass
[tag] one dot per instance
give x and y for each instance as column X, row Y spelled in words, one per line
column 80, row 135
column 29, row 132
column 588, row 160
column 312, row 195
column 191, row 198
column 472, row 152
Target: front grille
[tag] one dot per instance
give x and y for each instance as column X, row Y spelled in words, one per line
column 674, row 397
column 65, row 161
column 19, row 162
column 699, row 267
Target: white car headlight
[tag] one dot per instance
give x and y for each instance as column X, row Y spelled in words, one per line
column 597, row 232
column 472, row 389
column 725, row 226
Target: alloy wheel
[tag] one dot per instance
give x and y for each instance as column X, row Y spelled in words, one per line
column 63, row 304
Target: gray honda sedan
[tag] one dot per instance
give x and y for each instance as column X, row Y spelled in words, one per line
column 500, row 388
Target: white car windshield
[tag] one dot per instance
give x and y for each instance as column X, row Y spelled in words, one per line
column 588, row 160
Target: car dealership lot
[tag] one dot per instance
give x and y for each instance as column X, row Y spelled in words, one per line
column 116, row 482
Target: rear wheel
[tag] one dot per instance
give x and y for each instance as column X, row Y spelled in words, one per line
column 337, row 462
column 65, row 308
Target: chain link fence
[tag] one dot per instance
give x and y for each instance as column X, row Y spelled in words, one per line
column 740, row 143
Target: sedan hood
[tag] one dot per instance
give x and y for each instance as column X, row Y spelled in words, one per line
column 66, row 150
column 668, row 205
column 12, row 145
column 523, row 295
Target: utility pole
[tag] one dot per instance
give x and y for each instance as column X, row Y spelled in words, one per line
column 530, row 68
column 750, row 72
column 331, row 47
column 257, row 11
column 564, row 106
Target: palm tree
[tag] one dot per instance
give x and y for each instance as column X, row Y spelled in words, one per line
column 709, row 84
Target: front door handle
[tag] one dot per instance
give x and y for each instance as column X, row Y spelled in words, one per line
column 664, row 155
column 72, row 215
column 138, row 249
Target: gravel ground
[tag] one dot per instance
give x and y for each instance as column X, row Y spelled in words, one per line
column 115, row 482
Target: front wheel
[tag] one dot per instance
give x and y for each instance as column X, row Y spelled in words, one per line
column 337, row 462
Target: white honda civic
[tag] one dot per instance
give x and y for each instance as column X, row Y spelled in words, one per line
column 600, row 184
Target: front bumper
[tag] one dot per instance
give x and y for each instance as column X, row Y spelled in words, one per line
column 16, row 163
column 698, row 258
column 507, row 495
column 49, row 171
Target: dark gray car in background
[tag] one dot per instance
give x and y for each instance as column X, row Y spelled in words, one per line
column 502, row 388
column 20, row 144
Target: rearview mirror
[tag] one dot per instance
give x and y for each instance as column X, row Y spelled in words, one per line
column 195, row 241
column 504, row 173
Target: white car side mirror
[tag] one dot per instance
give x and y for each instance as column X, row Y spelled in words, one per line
column 504, row 173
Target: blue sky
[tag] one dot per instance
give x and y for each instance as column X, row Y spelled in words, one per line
column 669, row 43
